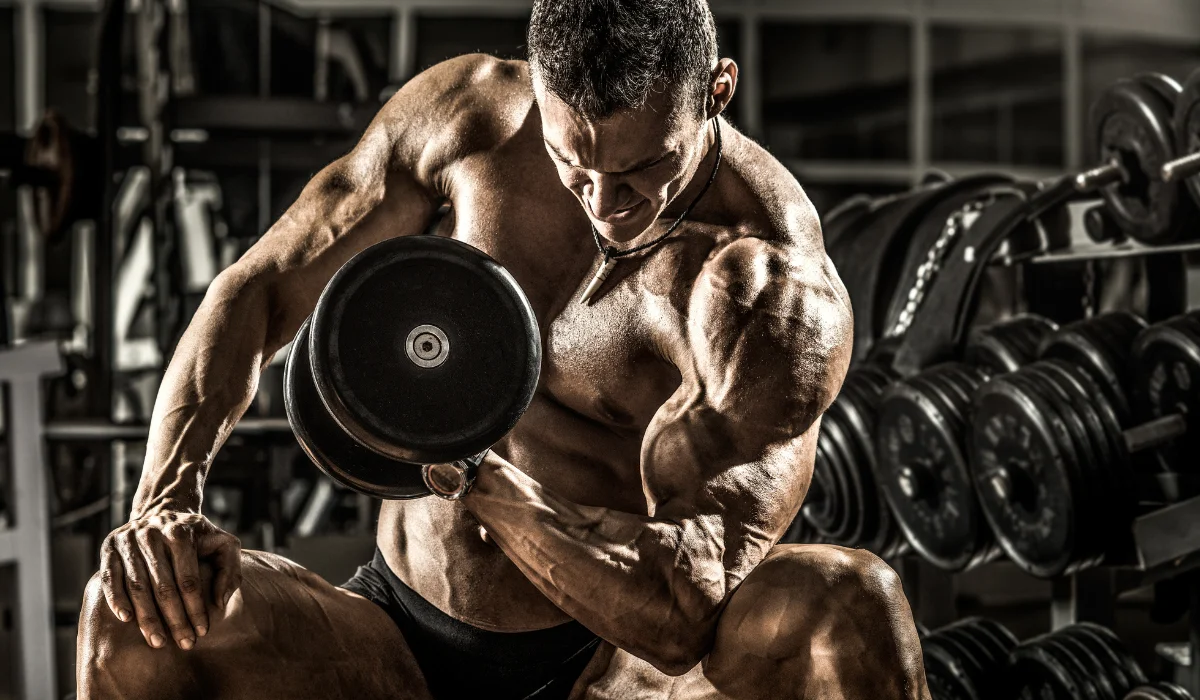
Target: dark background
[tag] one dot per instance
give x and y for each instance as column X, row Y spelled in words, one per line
column 852, row 95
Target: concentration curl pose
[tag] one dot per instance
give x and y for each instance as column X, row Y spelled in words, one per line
column 620, row 541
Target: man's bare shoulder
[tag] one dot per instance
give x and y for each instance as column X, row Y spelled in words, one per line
column 770, row 330
column 459, row 107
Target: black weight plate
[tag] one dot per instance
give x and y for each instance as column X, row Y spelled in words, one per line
column 939, row 518
column 1090, row 499
column 329, row 447
column 1054, row 647
column 1109, row 478
column 1010, row 433
column 944, row 673
column 1113, row 665
column 363, row 327
column 1172, row 691
column 974, row 659
column 1128, row 664
column 1187, row 127
column 860, row 505
column 1060, row 418
column 1130, row 122
column 1092, row 666
column 1004, row 346
column 824, row 505
column 1038, row 675
column 1167, row 366
column 947, row 661
column 1076, row 343
column 999, row 646
column 1147, row 692
column 1163, row 85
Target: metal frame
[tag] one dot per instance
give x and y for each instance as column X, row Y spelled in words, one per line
column 27, row 544
column 1170, row 20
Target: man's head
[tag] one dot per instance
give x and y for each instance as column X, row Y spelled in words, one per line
column 626, row 89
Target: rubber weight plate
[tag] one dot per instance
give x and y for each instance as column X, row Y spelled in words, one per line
column 1110, row 639
column 1167, row 363
column 1113, row 664
column 329, row 447
column 425, row 349
column 1088, row 345
column 1130, row 122
column 924, row 474
column 1187, row 127
column 1024, row 474
column 1035, row 674
column 1007, row 345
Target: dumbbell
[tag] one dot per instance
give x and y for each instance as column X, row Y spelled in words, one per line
column 843, row 504
column 1158, row 691
column 1079, row 662
column 966, row 659
column 1133, row 136
column 422, row 350
column 1051, row 457
column 1187, row 138
column 921, row 451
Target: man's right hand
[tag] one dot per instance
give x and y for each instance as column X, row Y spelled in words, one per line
column 150, row 571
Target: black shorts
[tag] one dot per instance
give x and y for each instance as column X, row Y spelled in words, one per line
column 463, row 661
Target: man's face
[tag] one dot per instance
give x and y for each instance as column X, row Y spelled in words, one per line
column 627, row 168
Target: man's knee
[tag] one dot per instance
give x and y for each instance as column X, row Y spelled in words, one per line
column 114, row 659
column 801, row 595
column 819, row 615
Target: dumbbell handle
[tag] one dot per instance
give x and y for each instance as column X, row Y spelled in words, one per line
column 1181, row 168
column 1101, row 175
column 1154, row 433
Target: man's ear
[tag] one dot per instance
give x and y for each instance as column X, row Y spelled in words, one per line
column 720, row 90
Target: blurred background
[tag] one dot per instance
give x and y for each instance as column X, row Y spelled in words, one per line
column 184, row 128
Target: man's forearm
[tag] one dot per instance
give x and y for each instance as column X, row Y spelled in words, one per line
column 650, row 586
column 208, row 384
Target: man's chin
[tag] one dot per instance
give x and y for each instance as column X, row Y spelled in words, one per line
column 623, row 232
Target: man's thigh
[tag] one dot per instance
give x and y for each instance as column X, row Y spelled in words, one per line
column 286, row 633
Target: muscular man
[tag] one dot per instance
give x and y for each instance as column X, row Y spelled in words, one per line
column 621, row 541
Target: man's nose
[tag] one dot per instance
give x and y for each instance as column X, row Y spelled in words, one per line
column 607, row 195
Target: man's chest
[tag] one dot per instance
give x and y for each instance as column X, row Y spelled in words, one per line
column 608, row 360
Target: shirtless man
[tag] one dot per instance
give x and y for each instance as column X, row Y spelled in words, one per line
column 630, row 519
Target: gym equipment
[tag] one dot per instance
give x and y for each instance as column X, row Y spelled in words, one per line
column 63, row 166
column 967, row 659
column 1131, row 127
column 1080, row 661
column 921, row 442
column 1166, row 381
column 1052, row 459
column 922, row 466
column 843, row 505
column 1187, row 138
column 1158, row 691
column 421, row 350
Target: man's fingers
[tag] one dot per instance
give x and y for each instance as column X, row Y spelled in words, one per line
column 112, row 582
column 186, row 565
column 138, row 584
column 225, row 551
column 166, row 592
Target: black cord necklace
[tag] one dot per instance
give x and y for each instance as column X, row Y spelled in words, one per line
column 611, row 254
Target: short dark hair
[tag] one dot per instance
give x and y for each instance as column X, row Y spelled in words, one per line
column 601, row 56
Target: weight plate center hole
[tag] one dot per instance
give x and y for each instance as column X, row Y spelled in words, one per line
column 1137, row 184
